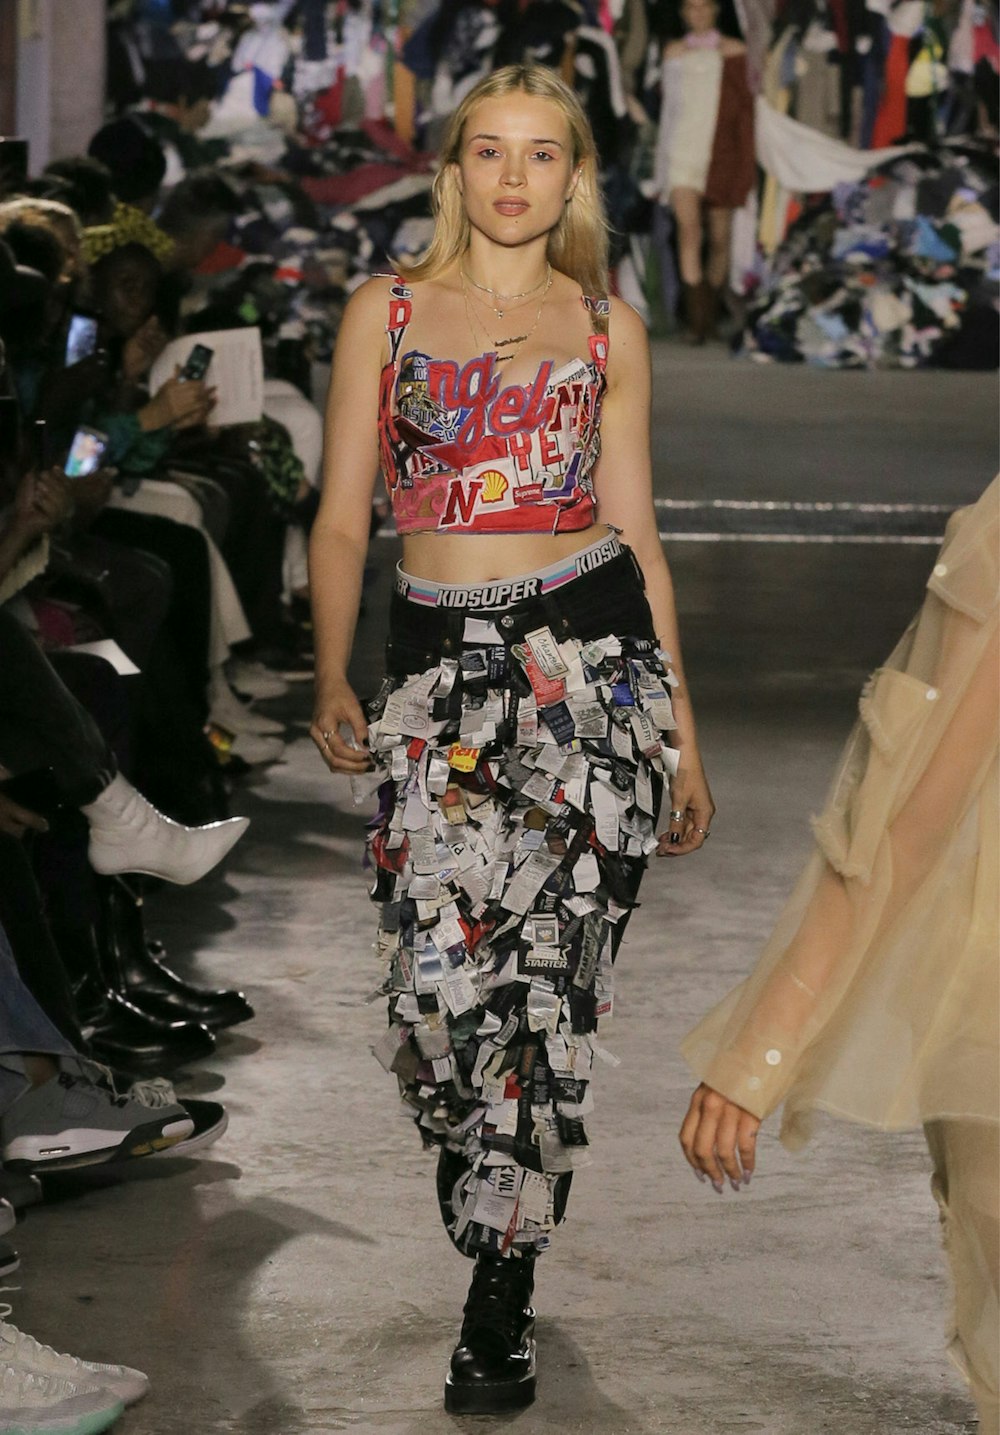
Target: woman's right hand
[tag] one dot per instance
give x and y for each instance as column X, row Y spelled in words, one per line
column 337, row 704
column 719, row 1139
column 179, row 403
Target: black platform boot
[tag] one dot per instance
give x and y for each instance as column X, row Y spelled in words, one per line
column 493, row 1365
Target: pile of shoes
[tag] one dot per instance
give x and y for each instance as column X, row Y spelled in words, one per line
column 897, row 271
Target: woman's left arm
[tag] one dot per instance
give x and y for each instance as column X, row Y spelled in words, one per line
column 624, row 484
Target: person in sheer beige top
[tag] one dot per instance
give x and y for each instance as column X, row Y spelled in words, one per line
column 876, row 997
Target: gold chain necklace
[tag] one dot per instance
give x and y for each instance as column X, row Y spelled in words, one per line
column 509, row 298
column 519, row 340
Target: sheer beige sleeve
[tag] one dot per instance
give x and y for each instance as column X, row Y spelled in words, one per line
column 876, row 997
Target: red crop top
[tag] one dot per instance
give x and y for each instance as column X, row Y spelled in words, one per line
column 461, row 453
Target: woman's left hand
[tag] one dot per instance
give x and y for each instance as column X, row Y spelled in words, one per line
column 142, row 349
column 691, row 812
column 719, row 1139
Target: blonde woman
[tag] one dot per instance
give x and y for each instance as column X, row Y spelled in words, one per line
column 535, row 700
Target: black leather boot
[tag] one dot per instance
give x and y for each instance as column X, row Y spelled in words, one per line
column 118, row 1032
column 128, row 1039
column 136, row 971
column 493, row 1365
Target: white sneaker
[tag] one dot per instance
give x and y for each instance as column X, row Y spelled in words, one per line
column 23, row 1352
column 127, row 834
column 32, row 1404
column 255, row 680
column 227, row 711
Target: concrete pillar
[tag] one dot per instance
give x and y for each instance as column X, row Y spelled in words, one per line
column 60, row 75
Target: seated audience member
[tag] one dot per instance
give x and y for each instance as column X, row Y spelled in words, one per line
column 134, row 158
column 80, row 979
column 84, row 185
column 177, row 104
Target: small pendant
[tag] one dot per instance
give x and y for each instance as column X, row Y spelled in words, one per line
column 499, row 313
column 506, row 343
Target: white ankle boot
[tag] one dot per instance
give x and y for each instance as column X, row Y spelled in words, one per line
column 127, row 834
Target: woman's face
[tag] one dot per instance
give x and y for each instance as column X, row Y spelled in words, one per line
column 515, row 169
column 126, row 294
column 699, row 15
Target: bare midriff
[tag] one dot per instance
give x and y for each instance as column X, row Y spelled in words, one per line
column 477, row 558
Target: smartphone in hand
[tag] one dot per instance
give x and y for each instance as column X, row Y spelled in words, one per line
column 86, row 452
column 197, row 362
column 81, row 338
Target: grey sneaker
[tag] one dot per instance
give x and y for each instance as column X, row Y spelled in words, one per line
column 32, row 1404
column 21, row 1351
column 71, row 1121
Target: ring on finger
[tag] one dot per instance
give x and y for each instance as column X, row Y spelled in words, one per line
column 326, row 736
column 676, row 815
column 705, row 832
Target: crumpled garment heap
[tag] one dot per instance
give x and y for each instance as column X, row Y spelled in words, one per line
column 297, row 250
column 517, row 812
column 897, row 271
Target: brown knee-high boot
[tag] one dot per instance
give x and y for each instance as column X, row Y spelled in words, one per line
column 696, row 302
column 713, row 303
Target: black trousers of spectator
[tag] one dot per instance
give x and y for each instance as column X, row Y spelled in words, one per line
column 41, row 723
column 188, row 616
column 254, row 549
column 140, row 589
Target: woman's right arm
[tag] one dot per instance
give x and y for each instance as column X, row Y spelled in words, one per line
column 339, row 539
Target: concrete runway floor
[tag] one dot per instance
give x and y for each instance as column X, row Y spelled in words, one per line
column 294, row 1280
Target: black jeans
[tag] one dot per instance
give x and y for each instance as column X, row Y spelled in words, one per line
column 611, row 599
column 502, row 791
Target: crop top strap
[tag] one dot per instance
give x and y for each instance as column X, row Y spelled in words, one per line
column 399, row 315
column 599, row 310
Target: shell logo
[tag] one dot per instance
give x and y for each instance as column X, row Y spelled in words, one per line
column 494, row 485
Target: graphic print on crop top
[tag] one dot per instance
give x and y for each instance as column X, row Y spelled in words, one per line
column 462, row 452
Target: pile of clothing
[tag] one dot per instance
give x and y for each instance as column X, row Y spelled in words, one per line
column 899, row 270
column 307, row 233
column 874, row 72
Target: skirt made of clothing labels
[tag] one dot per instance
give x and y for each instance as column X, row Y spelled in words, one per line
column 523, row 748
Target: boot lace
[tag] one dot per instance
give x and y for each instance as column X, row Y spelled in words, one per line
column 498, row 1295
column 155, row 1092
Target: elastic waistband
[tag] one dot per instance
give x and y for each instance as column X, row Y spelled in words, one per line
column 506, row 592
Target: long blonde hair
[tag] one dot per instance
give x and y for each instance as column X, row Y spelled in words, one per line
column 578, row 246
